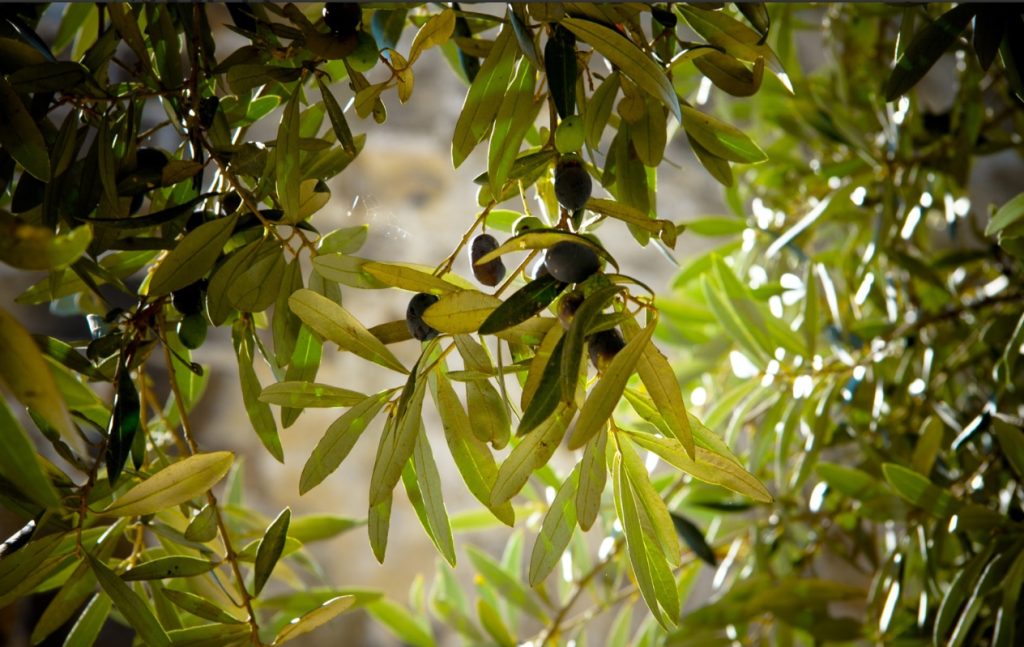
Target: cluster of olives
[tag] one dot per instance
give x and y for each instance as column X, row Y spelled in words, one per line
column 189, row 302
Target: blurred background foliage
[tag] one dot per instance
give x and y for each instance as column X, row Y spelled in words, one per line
column 844, row 465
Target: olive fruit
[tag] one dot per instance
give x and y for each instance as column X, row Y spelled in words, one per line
column 342, row 17
column 492, row 272
column 604, row 346
column 571, row 262
column 537, row 270
column 567, row 307
column 151, row 160
column 231, row 202
column 192, row 330
column 208, row 110
column 365, row 55
column 528, row 223
column 189, row 299
column 572, row 183
column 569, row 135
column 414, row 316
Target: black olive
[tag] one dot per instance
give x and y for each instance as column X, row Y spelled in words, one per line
column 342, row 17
column 572, row 183
column 208, row 110
column 567, row 307
column 414, row 316
column 150, row 159
column 189, row 299
column 492, row 272
column 604, row 346
column 231, row 203
column 571, row 262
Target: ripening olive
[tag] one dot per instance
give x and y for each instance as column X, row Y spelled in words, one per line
column 604, row 346
column 150, row 159
column 527, row 223
column 492, row 272
column 572, row 183
column 571, row 262
column 365, row 55
column 189, row 299
column 414, row 316
column 192, row 330
column 342, row 17
column 569, row 135
column 567, row 307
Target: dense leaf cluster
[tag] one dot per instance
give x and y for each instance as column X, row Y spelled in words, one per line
column 856, row 334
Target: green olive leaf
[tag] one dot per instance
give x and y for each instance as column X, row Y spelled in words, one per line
column 606, row 393
column 629, row 58
column 193, row 257
column 270, row 549
column 309, row 394
column 131, row 606
column 555, row 531
column 485, row 96
column 336, row 324
column 174, row 484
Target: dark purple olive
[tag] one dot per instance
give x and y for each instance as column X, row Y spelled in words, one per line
column 571, row 262
column 151, row 160
column 208, row 110
column 231, row 202
column 567, row 307
column 604, row 346
column 189, row 299
column 492, row 272
column 342, row 17
column 414, row 316
column 572, row 183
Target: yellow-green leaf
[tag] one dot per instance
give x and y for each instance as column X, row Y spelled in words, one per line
column 485, row 96
column 338, row 441
column 270, row 549
column 408, row 278
column 335, row 323
column 316, row 618
column 309, row 394
column 593, row 475
column 398, row 440
column 131, row 606
column 461, row 312
column 721, row 139
column 30, row 247
column 435, row 31
column 532, row 453
column 25, row 373
column 516, row 114
column 629, row 58
column 193, row 257
column 555, row 531
column 174, row 484
column 707, row 466
column 606, row 393
column 172, row 566
column 19, row 463
column 287, row 172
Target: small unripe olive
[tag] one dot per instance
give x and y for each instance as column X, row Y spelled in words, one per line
column 571, row 262
column 342, row 17
column 365, row 55
column 492, row 272
column 192, row 330
column 569, row 135
column 567, row 307
column 189, row 299
column 604, row 346
column 414, row 316
column 527, row 223
column 572, row 183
